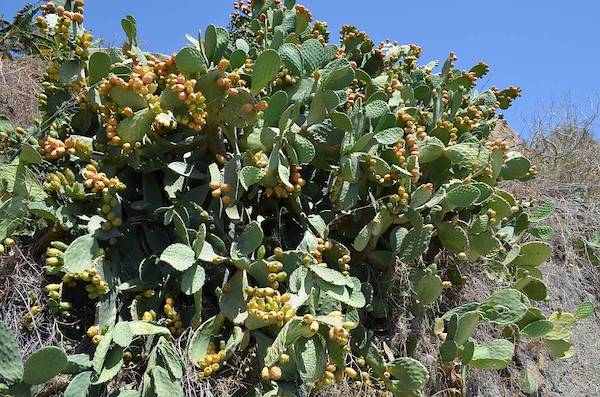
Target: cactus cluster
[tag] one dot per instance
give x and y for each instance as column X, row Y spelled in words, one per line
column 260, row 188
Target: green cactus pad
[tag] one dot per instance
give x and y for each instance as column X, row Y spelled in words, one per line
column 163, row 384
column 311, row 358
column 248, row 241
column 98, row 67
column 533, row 287
column 389, row 136
column 134, row 129
column 11, row 366
column 465, row 326
column 515, row 167
column 179, row 256
column 430, row 149
column 410, row 373
column 562, row 325
column 191, row 61
column 453, row 237
column 81, row 253
column 533, row 254
column 414, row 244
column 585, row 310
column 428, row 289
column 201, row 338
column 124, row 97
column 266, row 67
column 542, row 212
column 559, row 348
column 337, row 74
column 537, row 328
column 504, row 307
column 527, row 381
column 79, row 385
column 462, row 196
column 495, row 354
column 43, row 365
column 312, row 55
column 192, row 280
column 292, row 58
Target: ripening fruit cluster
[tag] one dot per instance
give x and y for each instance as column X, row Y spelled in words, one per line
column 273, row 373
column 65, row 18
column 54, row 292
column 213, row 360
column 55, row 253
column 267, row 304
column 110, row 203
column 98, row 181
column 393, row 85
column 296, row 178
column 83, row 42
column 320, row 32
column 94, row 333
column 65, row 183
column 194, row 101
column 284, row 79
column 149, row 316
column 95, row 286
column 33, row 311
column 218, row 190
column 353, row 96
column 280, row 190
column 52, row 148
column 173, row 320
column 452, row 130
column 507, row 95
column 302, row 10
column 275, row 274
column 260, row 159
column 349, row 33
column 313, row 325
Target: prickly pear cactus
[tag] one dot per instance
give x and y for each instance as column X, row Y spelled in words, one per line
column 254, row 194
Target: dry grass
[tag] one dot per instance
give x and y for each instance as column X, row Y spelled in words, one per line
column 21, row 281
column 19, row 87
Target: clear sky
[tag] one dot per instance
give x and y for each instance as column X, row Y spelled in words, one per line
column 551, row 48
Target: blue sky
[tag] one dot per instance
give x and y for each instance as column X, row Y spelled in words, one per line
column 548, row 48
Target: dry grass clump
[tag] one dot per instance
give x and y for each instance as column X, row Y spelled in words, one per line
column 21, row 282
column 19, row 86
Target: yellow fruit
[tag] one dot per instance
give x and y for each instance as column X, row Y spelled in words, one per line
column 275, row 373
column 264, row 374
column 96, row 339
column 349, row 325
column 223, row 64
column 92, row 331
column 147, row 317
column 9, row 241
column 351, row 372
column 314, row 327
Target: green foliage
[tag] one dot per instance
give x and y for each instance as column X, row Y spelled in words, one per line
column 11, row 366
column 262, row 187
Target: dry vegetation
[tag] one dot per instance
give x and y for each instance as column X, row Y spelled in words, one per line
column 18, row 88
column 568, row 159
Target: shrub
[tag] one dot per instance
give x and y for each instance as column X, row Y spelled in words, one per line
column 260, row 188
